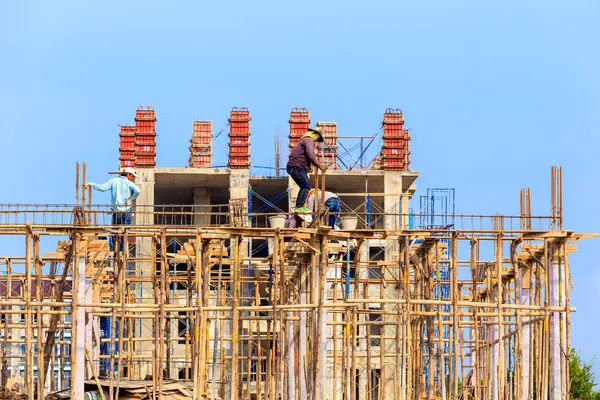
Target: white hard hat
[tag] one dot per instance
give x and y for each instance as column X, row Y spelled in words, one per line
column 129, row 170
column 306, row 218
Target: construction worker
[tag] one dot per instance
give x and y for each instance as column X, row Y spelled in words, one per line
column 293, row 221
column 123, row 193
column 332, row 203
column 299, row 165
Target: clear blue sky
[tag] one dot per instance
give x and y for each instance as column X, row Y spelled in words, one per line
column 495, row 93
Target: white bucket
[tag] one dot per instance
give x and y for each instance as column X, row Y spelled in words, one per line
column 277, row 221
column 348, row 222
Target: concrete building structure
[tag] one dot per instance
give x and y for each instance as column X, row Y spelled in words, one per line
column 212, row 292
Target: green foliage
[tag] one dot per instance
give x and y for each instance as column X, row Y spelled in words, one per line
column 582, row 378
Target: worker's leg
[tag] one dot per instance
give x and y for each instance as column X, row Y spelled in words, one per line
column 300, row 176
column 125, row 220
column 333, row 204
column 111, row 238
column 119, row 219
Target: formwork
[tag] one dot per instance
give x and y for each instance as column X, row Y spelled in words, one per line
column 477, row 309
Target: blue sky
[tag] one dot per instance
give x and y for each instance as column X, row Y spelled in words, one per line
column 495, row 93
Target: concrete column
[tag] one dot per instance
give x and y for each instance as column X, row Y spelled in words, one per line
column 525, row 289
column 144, row 208
column 392, row 183
column 201, row 205
column 293, row 193
column 145, row 201
column 405, row 206
column 92, row 332
column 396, row 204
column 239, row 182
column 79, row 356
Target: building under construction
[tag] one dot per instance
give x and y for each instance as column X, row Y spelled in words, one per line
column 212, row 298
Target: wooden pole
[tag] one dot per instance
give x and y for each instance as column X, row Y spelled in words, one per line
column 112, row 392
column 27, row 298
column 499, row 260
column 236, row 321
column 39, row 316
column 7, row 317
column 161, row 313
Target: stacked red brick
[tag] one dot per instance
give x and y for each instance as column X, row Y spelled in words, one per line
column 127, row 146
column 299, row 123
column 327, row 151
column 145, row 138
column 239, row 138
column 201, row 144
column 395, row 151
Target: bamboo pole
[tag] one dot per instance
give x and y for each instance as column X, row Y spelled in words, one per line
column 477, row 363
column 567, row 374
column 89, row 360
column 39, row 316
column 236, row 319
column 121, row 263
column 161, row 313
column 430, row 331
column 411, row 309
column 112, row 392
column 501, row 376
column 27, row 298
column 75, row 388
column 7, row 330
column 455, row 293
column 156, row 372
column 217, row 336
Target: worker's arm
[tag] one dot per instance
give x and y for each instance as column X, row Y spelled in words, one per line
column 309, row 150
column 105, row 187
column 135, row 191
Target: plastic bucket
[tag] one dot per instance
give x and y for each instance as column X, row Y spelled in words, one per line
column 348, row 222
column 277, row 221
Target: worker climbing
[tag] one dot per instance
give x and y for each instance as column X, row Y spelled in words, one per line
column 299, row 165
column 123, row 193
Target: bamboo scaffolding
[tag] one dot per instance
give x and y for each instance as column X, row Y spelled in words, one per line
column 298, row 324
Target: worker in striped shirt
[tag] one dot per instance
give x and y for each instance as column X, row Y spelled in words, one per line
column 332, row 203
column 293, row 221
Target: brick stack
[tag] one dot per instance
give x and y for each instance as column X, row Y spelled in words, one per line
column 239, row 138
column 327, row 151
column 201, row 145
column 127, row 146
column 145, row 137
column 395, row 150
column 299, row 123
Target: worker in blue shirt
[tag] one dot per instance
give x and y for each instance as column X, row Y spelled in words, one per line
column 123, row 193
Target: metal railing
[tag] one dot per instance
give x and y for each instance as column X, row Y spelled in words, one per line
column 221, row 215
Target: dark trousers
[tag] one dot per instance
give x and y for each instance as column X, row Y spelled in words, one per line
column 333, row 204
column 300, row 176
column 119, row 218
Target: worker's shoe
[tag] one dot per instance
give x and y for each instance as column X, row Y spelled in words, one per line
column 301, row 210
